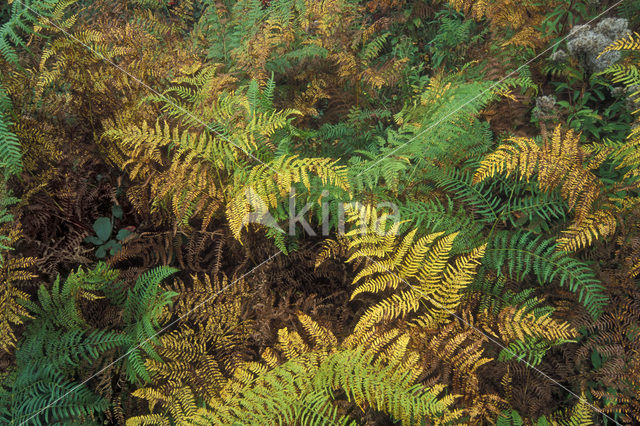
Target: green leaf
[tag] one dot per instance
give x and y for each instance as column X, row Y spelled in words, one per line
column 516, row 417
column 103, row 227
column 115, row 249
column 101, row 252
column 596, row 359
column 109, row 244
column 116, row 211
column 122, row 234
column 93, row 240
column 543, row 422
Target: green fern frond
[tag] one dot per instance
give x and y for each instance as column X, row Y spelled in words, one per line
column 459, row 184
column 24, row 16
column 531, row 350
column 523, row 253
column 142, row 312
column 10, row 149
column 302, row 388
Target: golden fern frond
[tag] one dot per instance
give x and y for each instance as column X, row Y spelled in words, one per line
column 306, row 100
column 477, row 8
column 373, row 338
column 455, row 350
column 12, row 312
column 291, row 343
column 393, row 307
column 187, row 362
column 269, row 356
column 266, row 183
column 244, row 374
column 12, row 270
column 141, row 145
column 399, row 354
column 422, row 265
column 179, row 407
column 579, row 415
column 630, row 42
column 558, row 163
column 201, row 357
column 186, row 184
column 63, row 51
column 40, row 143
column 522, row 158
column 514, row 323
column 523, row 18
column 582, row 233
column 320, row 336
column 526, row 37
column 188, row 190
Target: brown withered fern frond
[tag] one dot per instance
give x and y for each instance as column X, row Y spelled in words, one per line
column 59, row 213
column 199, row 251
column 455, row 355
column 608, row 357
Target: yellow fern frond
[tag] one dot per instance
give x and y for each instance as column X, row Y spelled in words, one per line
column 599, row 224
column 629, row 42
column 523, row 18
column 178, row 408
column 270, row 357
column 291, row 343
column 267, row 183
column 516, row 323
column 12, row 270
column 321, row 336
column 558, row 163
column 422, row 265
column 580, row 415
column 522, row 158
column 458, row 276
column 372, row 338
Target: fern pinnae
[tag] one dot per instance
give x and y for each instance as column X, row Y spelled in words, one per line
column 524, row 252
column 10, row 148
column 459, row 183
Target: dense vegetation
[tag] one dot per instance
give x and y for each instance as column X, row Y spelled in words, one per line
column 485, row 157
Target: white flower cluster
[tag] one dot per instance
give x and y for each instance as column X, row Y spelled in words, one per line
column 545, row 106
column 585, row 44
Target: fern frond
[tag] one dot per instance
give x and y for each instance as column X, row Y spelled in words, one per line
column 10, row 149
column 629, row 42
column 302, row 389
column 265, row 183
column 142, row 312
column 421, row 264
column 516, row 324
column 523, row 253
column 321, row 336
column 558, row 164
column 581, row 234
